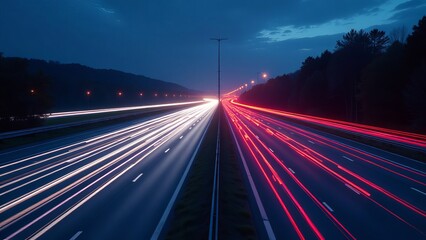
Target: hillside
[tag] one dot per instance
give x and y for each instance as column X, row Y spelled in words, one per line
column 69, row 85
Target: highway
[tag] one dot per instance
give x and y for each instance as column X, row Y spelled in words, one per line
column 307, row 184
column 117, row 182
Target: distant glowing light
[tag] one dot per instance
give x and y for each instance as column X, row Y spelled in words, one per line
column 252, row 81
column 120, row 93
column 88, row 93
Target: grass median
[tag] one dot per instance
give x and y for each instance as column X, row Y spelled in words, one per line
column 190, row 216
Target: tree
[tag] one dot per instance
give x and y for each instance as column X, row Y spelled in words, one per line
column 354, row 40
column 378, row 41
column 23, row 96
column 381, row 89
column 416, row 45
column 398, row 34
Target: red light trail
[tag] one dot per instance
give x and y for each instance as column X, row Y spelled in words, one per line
column 245, row 122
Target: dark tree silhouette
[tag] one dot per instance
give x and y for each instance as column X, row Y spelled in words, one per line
column 24, row 97
column 354, row 40
column 415, row 93
column 378, row 40
column 364, row 80
column 380, row 89
column 398, row 34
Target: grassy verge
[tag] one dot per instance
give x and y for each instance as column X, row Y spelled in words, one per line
column 190, row 216
column 42, row 136
column 235, row 217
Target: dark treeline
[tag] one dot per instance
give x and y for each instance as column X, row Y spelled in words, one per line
column 31, row 88
column 368, row 79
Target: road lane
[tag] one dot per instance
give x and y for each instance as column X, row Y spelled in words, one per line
column 49, row 194
column 311, row 190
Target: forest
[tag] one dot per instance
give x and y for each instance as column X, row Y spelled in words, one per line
column 369, row 78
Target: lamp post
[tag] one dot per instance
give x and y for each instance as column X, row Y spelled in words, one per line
column 218, row 64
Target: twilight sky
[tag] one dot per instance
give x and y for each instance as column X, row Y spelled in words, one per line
column 169, row 39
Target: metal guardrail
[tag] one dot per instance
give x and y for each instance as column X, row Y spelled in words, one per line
column 24, row 132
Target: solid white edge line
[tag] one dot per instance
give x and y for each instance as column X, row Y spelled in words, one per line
column 136, row 178
column 348, row 158
column 259, row 203
column 328, row 207
column 417, row 190
column 166, row 213
column 75, row 236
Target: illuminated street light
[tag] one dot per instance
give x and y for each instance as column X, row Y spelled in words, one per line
column 141, row 94
column 264, row 75
column 88, row 93
column 245, row 84
column 120, row 94
column 252, row 81
column 32, row 91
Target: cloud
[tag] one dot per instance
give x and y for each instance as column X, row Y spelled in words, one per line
column 410, row 4
column 106, row 10
column 169, row 39
column 377, row 15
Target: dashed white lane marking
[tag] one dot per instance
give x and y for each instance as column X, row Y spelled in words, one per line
column 168, row 149
column 271, row 150
column 291, row 170
column 417, row 190
column 181, row 137
column 348, row 158
column 136, row 178
column 328, row 207
column 351, row 188
column 76, row 235
column 311, row 141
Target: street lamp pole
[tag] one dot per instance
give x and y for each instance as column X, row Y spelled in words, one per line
column 218, row 64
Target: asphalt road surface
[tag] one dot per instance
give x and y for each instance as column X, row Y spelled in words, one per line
column 111, row 183
column 313, row 185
